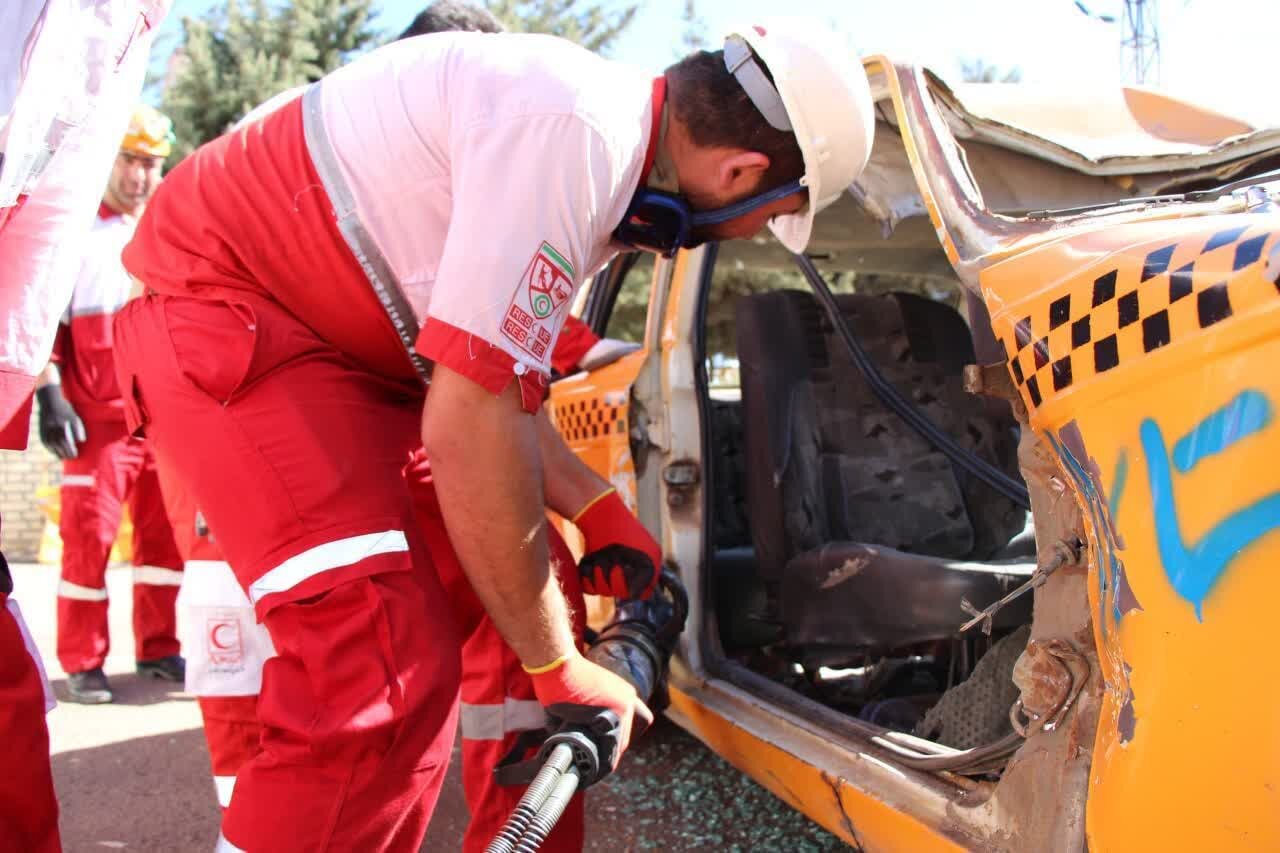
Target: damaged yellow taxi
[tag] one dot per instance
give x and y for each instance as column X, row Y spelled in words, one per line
column 977, row 501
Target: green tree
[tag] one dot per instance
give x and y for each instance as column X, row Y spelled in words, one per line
column 238, row 55
column 595, row 26
column 336, row 29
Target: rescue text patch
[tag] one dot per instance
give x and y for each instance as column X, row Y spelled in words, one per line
column 532, row 316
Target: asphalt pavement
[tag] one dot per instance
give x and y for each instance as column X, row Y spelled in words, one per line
column 134, row 775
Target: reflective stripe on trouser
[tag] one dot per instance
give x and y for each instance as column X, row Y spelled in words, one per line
column 497, row 696
column 223, row 787
column 157, row 576
column 298, row 476
column 28, row 809
column 113, row 468
column 494, row 721
column 67, row 589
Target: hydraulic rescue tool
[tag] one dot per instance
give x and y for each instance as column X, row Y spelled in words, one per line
column 636, row 645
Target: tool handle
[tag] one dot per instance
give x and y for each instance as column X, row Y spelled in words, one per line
column 545, row 820
column 556, row 766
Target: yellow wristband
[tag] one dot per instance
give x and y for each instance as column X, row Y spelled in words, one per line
column 592, row 503
column 546, row 667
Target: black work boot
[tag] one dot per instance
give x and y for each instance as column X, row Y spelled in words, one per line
column 89, row 687
column 171, row 668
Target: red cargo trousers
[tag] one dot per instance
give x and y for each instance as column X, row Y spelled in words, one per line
column 113, row 467
column 294, row 454
column 498, row 702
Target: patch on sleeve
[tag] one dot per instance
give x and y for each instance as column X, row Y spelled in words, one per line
column 538, row 305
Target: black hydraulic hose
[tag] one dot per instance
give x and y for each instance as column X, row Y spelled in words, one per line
column 890, row 397
column 545, row 820
column 554, row 770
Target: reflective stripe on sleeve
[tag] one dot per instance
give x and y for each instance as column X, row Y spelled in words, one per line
column 86, row 480
column 324, row 558
column 361, row 243
column 67, row 589
column 157, row 576
column 494, row 722
column 224, row 785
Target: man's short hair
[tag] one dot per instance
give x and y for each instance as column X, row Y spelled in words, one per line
column 713, row 106
column 445, row 16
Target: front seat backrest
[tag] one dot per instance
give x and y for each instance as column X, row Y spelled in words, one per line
column 780, row 430
column 828, row 462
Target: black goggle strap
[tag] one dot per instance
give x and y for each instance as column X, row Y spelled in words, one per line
column 655, row 220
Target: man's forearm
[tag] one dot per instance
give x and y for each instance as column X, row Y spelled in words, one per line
column 569, row 484
column 486, row 464
column 48, row 376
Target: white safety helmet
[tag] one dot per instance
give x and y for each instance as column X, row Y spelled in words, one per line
column 819, row 92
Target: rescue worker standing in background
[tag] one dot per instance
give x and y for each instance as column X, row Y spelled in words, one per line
column 81, row 417
column 436, row 201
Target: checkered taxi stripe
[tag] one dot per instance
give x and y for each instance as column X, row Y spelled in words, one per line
column 1127, row 312
column 583, row 419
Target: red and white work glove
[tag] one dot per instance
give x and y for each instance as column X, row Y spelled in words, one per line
column 574, row 683
column 622, row 559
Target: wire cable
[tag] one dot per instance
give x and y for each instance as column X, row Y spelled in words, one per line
column 893, row 399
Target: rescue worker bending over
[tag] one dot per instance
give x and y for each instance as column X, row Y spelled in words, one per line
column 82, row 422
column 226, row 650
column 498, row 702
column 436, row 202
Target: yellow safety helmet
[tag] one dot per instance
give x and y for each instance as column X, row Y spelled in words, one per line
column 150, row 132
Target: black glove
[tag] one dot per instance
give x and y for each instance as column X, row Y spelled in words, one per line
column 60, row 426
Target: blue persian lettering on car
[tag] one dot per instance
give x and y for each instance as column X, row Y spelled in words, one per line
column 1246, row 414
column 1194, row 569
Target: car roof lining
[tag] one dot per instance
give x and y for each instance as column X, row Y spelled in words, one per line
column 881, row 224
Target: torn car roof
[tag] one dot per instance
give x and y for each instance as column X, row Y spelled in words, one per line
column 1125, row 131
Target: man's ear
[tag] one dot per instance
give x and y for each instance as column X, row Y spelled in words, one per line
column 740, row 172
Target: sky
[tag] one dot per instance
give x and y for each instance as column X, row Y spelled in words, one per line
column 1215, row 52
